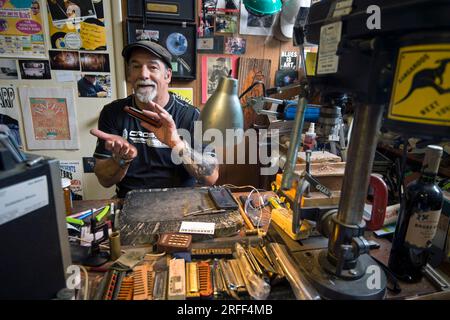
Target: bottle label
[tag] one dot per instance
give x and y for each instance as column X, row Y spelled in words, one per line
column 422, row 228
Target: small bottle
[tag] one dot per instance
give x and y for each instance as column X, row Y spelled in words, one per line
column 417, row 223
column 65, row 184
column 310, row 138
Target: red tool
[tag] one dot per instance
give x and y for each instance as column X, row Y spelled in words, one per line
column 379, row 203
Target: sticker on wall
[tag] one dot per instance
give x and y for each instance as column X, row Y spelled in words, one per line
column 94, row 86
column 9, row 112
column 8, row 69
column 288, row 60
column 421, row 87
column 71, row 169
column 21, row 29
column 35, row 69
column 77, row 24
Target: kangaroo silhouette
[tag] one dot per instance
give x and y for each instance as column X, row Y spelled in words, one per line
column 427, row 78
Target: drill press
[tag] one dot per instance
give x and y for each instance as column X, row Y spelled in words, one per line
column 398, row 71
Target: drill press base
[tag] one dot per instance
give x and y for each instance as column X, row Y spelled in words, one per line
column 371, row 286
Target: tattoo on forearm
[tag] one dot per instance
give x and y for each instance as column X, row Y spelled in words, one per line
column 198, row 165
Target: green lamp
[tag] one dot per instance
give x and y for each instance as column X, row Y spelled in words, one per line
column 262, row 7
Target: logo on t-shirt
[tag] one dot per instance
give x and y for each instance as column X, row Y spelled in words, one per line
column 148, row 138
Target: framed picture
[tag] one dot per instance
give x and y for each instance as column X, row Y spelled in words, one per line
column 254, row 25
column 50, row 119
column 181, row 10
column 235, row 45
column 94, row 85
column 214, row 67
column 35, row 69
column 94, row 62
column 178, row 38
column 64, row 60
column 226, row 24
column 210, row 45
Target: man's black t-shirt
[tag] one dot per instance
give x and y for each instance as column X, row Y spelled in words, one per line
column 153, row 166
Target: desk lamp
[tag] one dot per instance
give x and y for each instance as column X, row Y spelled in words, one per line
column 223, row 111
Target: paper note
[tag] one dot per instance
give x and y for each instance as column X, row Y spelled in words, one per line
column 197, row 227
column 64, row 76
column 92, row 36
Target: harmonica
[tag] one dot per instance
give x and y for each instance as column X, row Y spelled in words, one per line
column 139, row 114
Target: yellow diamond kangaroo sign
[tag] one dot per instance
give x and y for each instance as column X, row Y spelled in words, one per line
column 421, row 88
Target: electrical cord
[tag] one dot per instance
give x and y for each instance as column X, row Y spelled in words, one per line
column 247, row 202
column 254, row 84
column 86, row 282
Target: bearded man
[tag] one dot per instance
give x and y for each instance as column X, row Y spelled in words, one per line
column 132, row 154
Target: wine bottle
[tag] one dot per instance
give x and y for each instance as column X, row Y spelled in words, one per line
column 418, row 221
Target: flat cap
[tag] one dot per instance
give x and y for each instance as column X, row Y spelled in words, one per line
column 150, row 46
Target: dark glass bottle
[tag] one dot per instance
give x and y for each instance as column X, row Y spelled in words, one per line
column 417, row 223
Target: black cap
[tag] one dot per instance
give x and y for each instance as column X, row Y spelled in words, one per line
column 151, row 46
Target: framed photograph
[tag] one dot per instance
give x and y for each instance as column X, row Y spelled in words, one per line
column 64, row 60
column 74, row 11
column 181, row 10
column 231, row 6
column 226, row 24
column 210, row 45
column 206, row 26
column 8, row 69
column 94, row 85
column 35, row 69
column 94, row 62
column 285, row 77
column 214, row 67
column 178, row 38
column 253, row 25
column 50, row 119
column 235, row 45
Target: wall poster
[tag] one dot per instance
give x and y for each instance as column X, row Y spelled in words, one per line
column 9, row 112
column 21, row 29
column 49, row 118
column 76, row 24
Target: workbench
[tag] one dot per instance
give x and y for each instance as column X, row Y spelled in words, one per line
column 424, row 287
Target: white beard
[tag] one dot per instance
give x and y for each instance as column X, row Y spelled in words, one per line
column 146, row 97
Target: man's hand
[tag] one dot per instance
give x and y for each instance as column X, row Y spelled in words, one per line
column 167, row 133
column 120, row 148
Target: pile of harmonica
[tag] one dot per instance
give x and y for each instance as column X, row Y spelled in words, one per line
column 212, row 273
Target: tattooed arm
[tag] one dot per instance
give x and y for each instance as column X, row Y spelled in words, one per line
column 204, row 167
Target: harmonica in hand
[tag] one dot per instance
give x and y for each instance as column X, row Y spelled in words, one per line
column 139, row 114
